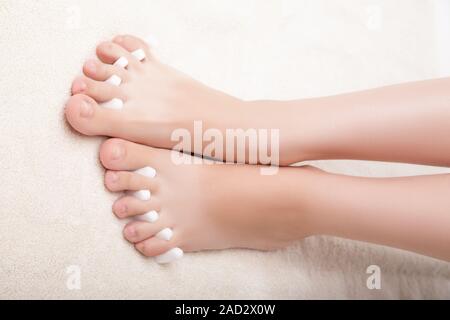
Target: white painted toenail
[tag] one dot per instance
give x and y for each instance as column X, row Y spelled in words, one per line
column 165, row 234
column 143, row 195
column 139, row 54
column 151, row 217
column 115, row 104
column 122, row 62
column 148, row 172
column 170, row 256
column 114, row 80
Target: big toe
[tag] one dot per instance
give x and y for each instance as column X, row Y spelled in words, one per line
column 87, row 117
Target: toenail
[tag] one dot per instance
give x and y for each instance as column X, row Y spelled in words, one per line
column 117, row 152
column 122, row 211
column 113, row 177
column 119, row 39
column 86, row 110
column 130, row 232
column 90, row 65
column 79, row 86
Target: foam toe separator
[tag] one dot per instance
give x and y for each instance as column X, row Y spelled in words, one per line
column 151, row 217
column 165, row 234
column 122, row 62
column 139, row 54
column 170, row 256
column 148, row 172
column 114, row 104
column 143, row 195
column 114, row 80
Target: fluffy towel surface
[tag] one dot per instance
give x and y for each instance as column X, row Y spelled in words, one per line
column 54, row 210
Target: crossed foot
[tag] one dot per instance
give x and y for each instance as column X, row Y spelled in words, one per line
column 191, row 207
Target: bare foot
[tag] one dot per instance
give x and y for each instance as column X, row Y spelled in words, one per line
column 157, row 100
column 208, row 206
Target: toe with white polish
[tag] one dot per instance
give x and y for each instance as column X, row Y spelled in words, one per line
column 122, row 62
column 170, row 256
column 139, row 54
column 148, row 172
column 165, row 234
column 151, row 217
column 114, row 80
column 114, row 104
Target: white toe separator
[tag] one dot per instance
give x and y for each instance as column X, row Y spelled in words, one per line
column 143, row 195
column 122, row 62
column 151, row 217
column 114, row 80
column 165, row 234
column 115, row 104
column 170, row 256
column 139, row 54
column 148, row 172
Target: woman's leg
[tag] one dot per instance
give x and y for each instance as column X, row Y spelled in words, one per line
column 218, row 206
column 411, row 213
column 401, row 123
column 408, row 123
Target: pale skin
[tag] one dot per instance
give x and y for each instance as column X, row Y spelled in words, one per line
column 216, row 206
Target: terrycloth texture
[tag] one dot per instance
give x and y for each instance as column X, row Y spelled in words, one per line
column 55, row 211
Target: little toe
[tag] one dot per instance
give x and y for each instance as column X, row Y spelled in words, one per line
column 132, row 44
column 137, row 231
column 112, row 53
column 153, row 247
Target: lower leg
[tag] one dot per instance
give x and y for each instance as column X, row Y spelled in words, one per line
column 401, row 123
column 409, row 213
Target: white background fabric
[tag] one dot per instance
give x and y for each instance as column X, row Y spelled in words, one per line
column 54, row 209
